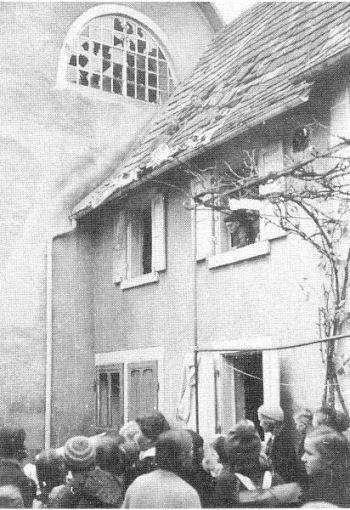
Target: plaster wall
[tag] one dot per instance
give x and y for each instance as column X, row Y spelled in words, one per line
column 56, row 145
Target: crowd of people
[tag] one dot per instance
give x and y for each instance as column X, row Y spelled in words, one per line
column 151, row 464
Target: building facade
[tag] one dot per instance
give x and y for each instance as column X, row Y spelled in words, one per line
column 80, row 83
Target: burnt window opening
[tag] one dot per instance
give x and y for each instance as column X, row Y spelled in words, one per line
column 147, row 242
column 301, row 139
column 243, row 228
column 115, row 47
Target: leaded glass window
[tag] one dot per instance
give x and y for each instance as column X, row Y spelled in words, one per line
column 117, row 55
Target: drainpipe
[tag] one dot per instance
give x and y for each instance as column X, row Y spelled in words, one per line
column 49, row 333
column 195, row 316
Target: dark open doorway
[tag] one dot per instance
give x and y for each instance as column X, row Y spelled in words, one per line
column 242, row 388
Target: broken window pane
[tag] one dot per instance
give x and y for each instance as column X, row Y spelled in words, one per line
column 140, row 33
column 107, row 37
column 71, row 74
column 130, row 58
column 117, row 87
column 106, row 83
column 118, row 24
column 130, row 90
column 84, row 45
column 73, row 60
column 141, row 62
column 130, row 74
column 106, row 52
column 152, row 80
column 132, row 45
column 117, row 71
column 152, row 96
column 118, row 56
column 95, row 81
column 141, row 46
column 106, row 67
column 85, row 32
column 152, row 48
column 141, row 93
column 97, row 47
column 118, row 42
column 130, row 28
column 83, row 60
column 95, row 33
column 152, row 65
column 83, row 78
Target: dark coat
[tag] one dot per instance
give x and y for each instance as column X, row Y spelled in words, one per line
column 101, row 490
column 283, row 457
column 323, row 488
column 11, row 473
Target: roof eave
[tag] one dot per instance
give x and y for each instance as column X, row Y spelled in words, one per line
column 189, row 155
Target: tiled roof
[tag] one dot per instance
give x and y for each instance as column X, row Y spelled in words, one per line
column 248, row 74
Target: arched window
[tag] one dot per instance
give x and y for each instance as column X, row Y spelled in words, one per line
column 118, row 55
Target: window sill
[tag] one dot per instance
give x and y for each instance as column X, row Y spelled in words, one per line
column 233, row 256
column 138, row 281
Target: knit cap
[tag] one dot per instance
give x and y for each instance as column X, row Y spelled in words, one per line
column 79, row 453
column 272, row 412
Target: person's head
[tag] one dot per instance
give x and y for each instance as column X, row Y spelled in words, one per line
column 130, row 430
column 197, row 448
column 174, row 450
column 326, row 451
column 109, row 456
column 50, row 469
column 243, row 446
column 12, row 443
column 270, row 417
column 324, row 416
column 151, row 425
column 80, row 457
column 303, row 420
column 219, row 446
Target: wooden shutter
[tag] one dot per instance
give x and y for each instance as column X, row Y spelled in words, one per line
column 110, row 396
column 270, row 160
column 158, row 233
column 134, row 244
column 142, row 388
column 119, row 249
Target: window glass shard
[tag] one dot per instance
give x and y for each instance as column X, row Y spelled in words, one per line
column 106, row 67
column 83, row 78
column 95, row 81
column 83, row 60
column 152, row 48
column 84, row 45
column 117, row 41
column 117, row 71
column 118, row 24
column 107, row 52
column 96, row 49
column 73, row 60
column 140, row 33
column 152, row 65
column 131, row 45
column 130, row 28
column 141, row 46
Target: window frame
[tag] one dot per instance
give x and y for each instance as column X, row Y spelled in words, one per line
column 109, row 370
column 78, row 25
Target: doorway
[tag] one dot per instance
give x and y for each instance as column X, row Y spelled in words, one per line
column 242, row 388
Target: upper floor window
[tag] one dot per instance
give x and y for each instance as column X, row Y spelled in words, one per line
column 115, row 54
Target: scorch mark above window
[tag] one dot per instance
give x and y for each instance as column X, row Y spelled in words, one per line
column 117, row 55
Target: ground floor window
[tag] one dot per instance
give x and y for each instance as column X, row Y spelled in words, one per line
column 125, row 391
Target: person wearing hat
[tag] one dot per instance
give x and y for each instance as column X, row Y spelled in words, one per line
column 12, row 452
column 88, row 486
column 279, row 450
